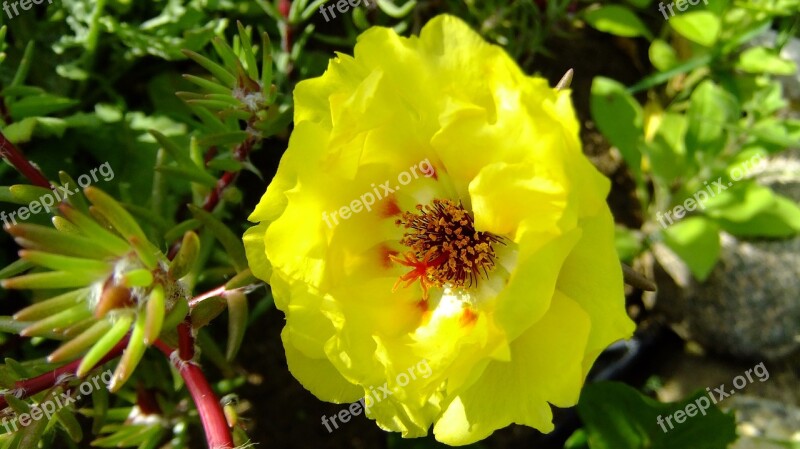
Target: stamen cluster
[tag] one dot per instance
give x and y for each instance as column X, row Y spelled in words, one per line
column 443, row 235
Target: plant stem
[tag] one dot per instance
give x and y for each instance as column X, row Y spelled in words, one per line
column 18, row 160
column 240, row 153
column 219, row 291
column 37, row 384
column 218, row 434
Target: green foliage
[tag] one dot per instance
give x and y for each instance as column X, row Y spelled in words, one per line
column 617, row 416
column 713, row 108
column 616, row 19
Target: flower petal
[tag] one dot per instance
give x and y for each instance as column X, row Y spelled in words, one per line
column 546, row 366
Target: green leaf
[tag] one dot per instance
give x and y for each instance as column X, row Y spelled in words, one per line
column 105, row 344
column 617, row 416
column 183, row 262
column 230, row 241
column 397, row 12
column 740, row 202
column 780, row 220
column 155, row 312
column 51, row 280
column 205, row 311
column 627, row 243
column 710, row 110
column 210, row 86
column 619, row 117
column 43, row 309
column 764, row 60
column 701, row 27
column 237, row 322
column 696, row 241
column 50, row 240
column 662, row 55
column 617, row 20
column 667, row 152
column 219, row 72
column 39, row 105
column 122, row 221
column 21, row 131
column 77, row 345
column 70, row 424
column 189, row 174
column 132, row 355
column 228, row 138
column 15, row 268
column 246, row 51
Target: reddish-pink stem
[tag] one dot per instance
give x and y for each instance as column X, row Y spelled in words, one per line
column 37, row 384
column 218, row 434
column 239, row 154
column 21, row 163
column 185, row 340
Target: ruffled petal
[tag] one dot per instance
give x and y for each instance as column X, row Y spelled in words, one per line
column 546, row 366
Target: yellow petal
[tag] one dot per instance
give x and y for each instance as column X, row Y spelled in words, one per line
column 546, row 366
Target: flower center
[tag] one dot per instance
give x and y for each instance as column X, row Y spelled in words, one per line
column 445, row 248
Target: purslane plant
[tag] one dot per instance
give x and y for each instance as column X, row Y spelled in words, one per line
column 107, row 288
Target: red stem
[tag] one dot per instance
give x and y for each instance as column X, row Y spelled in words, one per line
column 18, row 160
column 42, row 382
column 185, row 339
column 218, row 434
column 239, row 154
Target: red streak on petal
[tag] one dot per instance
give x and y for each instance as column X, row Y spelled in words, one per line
column 390, row 207
column 422, row 305
column 385, row 254
column 468, row 318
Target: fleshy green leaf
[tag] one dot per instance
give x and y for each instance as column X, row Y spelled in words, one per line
column 696, row 241
column 662, row 55
column 617, row 20
column 763, row 60
column 619, row 117
column 701, row 27
column 709, row 112
column 237, row 322
column 740, row 202
column 617, row 416
column 105, row 344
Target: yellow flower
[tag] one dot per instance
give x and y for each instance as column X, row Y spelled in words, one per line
column 434, row 209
